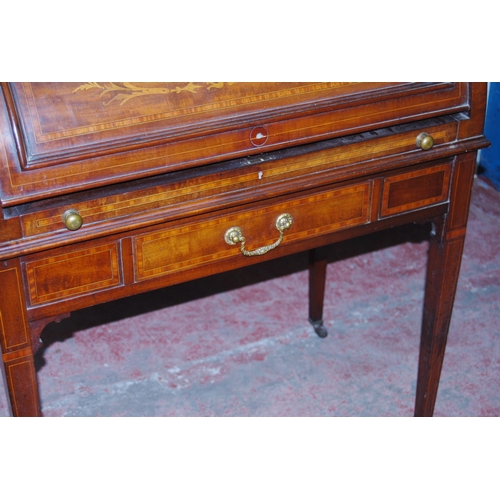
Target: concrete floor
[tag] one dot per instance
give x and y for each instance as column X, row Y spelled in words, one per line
column 239, row 344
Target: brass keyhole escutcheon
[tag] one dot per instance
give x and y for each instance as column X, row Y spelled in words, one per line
column 72, row 219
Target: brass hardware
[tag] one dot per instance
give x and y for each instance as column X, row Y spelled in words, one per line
column 72, row 219
column 425, row 141
column 234, row 235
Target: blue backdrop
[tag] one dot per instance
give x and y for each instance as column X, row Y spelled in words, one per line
column 490, row 157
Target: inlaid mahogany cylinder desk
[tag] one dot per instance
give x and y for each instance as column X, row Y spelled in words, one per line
column 113, row 189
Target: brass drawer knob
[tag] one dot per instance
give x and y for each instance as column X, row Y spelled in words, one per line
column 425, row 141
column 72, row 219
column 234, row 235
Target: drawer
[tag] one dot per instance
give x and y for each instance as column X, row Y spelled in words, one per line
column 65, row 274
column 183, row 247
column 415, row 189
column 171, row 195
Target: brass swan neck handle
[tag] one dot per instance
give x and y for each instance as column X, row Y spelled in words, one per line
column 234, row 235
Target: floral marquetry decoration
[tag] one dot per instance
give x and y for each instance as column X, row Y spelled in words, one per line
column 126, row 91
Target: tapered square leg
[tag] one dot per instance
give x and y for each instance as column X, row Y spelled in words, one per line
column 317, row 280
column 443, row 268
column 442, row 276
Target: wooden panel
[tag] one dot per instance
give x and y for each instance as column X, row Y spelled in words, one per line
column 416, row 189
column 13, row 328
column 191, row 245
column 23, row 388
column 463, row 178
column 73, row 273
column 59, row 117
column 88, row 142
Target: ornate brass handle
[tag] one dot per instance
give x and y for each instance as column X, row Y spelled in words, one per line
column 234, row 235
column 72, row 219
column 425, row 141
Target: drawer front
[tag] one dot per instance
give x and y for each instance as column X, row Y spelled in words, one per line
column 134, row 205
column 183, row 247
column 417, row 189
column 73, row 273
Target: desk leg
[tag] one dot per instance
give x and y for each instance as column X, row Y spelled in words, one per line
column 17, row 353
column 442, row 276
column 445, row 255
column 317, row 278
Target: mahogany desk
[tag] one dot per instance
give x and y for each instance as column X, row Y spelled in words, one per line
column 113, row 189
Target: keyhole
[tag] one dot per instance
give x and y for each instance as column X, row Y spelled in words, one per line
column 259, row 136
